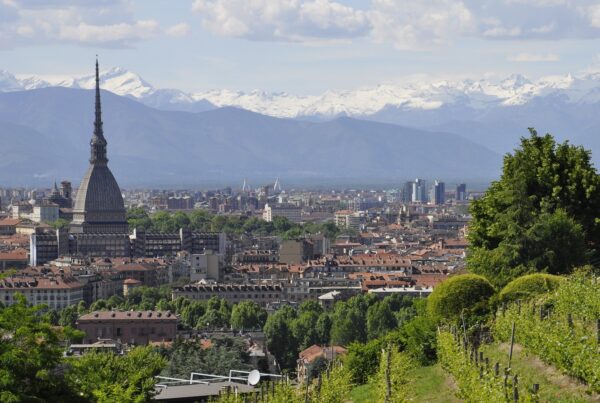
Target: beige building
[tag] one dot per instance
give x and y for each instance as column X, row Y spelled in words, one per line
column 43, row 212
column 205, row 266
column 56, row 291
column 348, row 219
column 289, row 211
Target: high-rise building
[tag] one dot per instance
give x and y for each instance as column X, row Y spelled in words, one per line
column 438, row 193
column 461, row 192
column 406, row 192
column 419, row 191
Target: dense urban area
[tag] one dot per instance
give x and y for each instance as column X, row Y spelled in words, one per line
column 422, row 292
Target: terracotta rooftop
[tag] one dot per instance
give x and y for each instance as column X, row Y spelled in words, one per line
column 314, row 351
column 40, row 282
column 15, row 254
column 9, row 222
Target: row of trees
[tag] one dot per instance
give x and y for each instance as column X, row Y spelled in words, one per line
column 361, row 318
column 202, row 220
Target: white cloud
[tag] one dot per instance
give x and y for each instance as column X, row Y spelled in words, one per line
column 539, row 3
column 413, row 24
column 419, row 23
column 84, row 22
column 593, row 15
column 534, row 57
column 282, row 20
column 106, row 34
column 178, row 30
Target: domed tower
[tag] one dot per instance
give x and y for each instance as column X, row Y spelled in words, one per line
column 99, row 206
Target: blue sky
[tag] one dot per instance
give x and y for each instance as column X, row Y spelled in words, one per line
column 299, row 46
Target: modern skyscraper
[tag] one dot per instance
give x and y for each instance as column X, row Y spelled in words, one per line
column 461, row 192
column 438, row 193
column 419, row 191
column 99, row 206
column 406, row 192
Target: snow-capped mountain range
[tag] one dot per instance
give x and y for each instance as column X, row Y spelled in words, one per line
column 421, row 95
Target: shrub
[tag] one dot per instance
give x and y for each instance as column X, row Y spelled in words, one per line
column 529, row 286
column 468, row 293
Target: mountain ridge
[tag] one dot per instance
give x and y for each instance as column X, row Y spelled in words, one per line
column 157, row 146
column 494, row 114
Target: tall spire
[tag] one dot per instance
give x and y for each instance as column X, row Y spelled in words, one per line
column 98, row 143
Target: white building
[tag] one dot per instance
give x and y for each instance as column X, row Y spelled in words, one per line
column 38, row 212
column 57, row 292
column 348, row 219
column 205, row 266
column 45, row 212
column 289, row 211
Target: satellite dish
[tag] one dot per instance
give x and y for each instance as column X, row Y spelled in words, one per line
column 253, row 377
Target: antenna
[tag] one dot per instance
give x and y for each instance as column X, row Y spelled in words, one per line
column 253, row 377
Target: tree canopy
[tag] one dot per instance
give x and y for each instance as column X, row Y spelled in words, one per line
column 202, row 220
column 541, row 216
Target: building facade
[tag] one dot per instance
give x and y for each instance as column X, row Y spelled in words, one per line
column 133, row 327
column 291, row 212
column 57, row 292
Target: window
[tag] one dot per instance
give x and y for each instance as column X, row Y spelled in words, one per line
column 118, row 331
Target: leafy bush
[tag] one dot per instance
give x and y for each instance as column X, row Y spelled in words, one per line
column 466, row 293
column 362, row 360
column 394, row 366
column 529, row 286
column 571, row 346
column 475, row 383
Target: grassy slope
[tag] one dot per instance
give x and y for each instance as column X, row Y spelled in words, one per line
column 431, row 384
column 363, row 393
column 554, row 386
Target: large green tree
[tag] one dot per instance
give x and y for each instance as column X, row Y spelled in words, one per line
column 248, row 315
column 541, row 216
column 280, row 337
column 380, row 319
column 108, row 377
column 30, row 354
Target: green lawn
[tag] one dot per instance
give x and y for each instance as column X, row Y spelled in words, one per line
column 432, row 384
column 363, row 393
column 554, row 386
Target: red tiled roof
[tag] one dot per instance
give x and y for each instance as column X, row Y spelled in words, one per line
column 9, row 222
column 15, row 254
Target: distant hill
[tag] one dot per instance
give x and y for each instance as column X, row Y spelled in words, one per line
column 492, row 112
column 44, row 134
